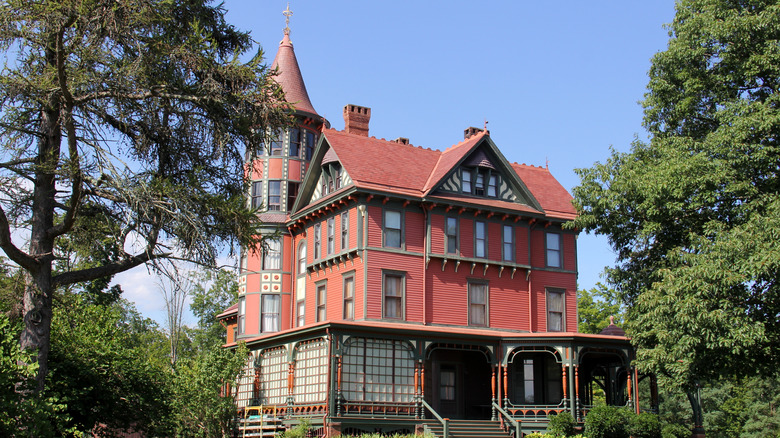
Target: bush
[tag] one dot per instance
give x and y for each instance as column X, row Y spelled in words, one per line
column 535, row 435
column 561, row 424
column 607, row 422
column 645, row 425
column 674, row 430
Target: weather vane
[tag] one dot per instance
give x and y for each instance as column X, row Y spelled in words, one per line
column 287, row 13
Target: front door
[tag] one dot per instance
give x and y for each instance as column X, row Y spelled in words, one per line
column 448, row 394
column 461, row 382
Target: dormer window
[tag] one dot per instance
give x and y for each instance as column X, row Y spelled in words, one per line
column 479, row 181
column 492, row 190
column 479, row 186
column 331, row 178
column 466, row 185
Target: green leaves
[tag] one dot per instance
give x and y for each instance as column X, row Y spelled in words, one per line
column 693, row 214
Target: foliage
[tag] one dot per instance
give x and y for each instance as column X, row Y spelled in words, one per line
column 607, row 422
column 561, row 424
column 300, row 430
column 214, row 292
column 595, row 306
column 200, row 408
column 101, row 370
column 675, row 431
column 644, row 425
column 124, row 127
column 21, row 412
column 694, row 215
column 535, row 435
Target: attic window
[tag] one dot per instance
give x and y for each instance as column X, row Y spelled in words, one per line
column 479, row 181
column 330, row 180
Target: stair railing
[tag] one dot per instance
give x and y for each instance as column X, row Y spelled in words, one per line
column 505, row 415
column 445, row 422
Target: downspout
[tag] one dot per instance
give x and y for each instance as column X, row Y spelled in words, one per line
column 530, row 302
column 425, row 264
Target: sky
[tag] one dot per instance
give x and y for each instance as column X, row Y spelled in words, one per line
column 558, row 83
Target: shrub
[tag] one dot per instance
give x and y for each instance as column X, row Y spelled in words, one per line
column 645, row 425
column 674, row 430
column 561, row 424
column 535, row 435
column 607, row 422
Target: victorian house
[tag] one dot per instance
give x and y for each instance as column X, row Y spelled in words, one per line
column 402, row 288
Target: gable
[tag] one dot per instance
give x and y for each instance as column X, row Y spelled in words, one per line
column 326, row 175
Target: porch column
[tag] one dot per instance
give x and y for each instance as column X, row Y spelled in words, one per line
column 417, row 400
column 565, row 386
column 629, row 378
column 493, row 392
column 506, row 388
column 338, row 387
column 577, row 406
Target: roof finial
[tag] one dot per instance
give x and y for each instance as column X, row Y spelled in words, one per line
column 485, row 125
column 287, row 13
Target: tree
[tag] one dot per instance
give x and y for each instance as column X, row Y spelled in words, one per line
column 595, row 307
column 214, row 292
column 123, row 126
column 694, row 215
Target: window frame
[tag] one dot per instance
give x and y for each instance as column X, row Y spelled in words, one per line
column 331, row 246
column 466, row 177
column 492, row 185
column 561, row 313
column 300, row 313
column 321, row 295
column 508, row 248
column 483, row 239
column 271, row 247
column 399, row 230
column 263, row 312
column 448, row 236
column 311, row 140
column 317, row 241
column 241, row 322
column 348, row 313
column 295, row 142
column 274, row 199
column 277, row 144
column 301, row 257
column 257, row 194
column 401, row 297
column 471, row 286
column 345, row 230
column 556, row 253
column 292, row 193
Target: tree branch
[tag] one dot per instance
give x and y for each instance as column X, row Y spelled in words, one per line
column 18, row 256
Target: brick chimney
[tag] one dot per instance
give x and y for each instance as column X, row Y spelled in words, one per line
column 356, row 119
column 472, row 131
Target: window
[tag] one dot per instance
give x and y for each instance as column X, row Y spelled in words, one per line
column 331, row 235
column 317, row 240
column 311, row 140
column 274, row 195
column 257, row 194
column 479, row 185
column 480, row 239
column 553, row 241
column 295, row 142
column 272, row 255
column 478, row 299
column 349, row 298
column 466, row 181
column 241, row 315
column 555, row 306
column 322, row 289
column 345, row 230
column 492, row 190
column 302, row 258
column 292, row 193
column 451, row 231
column 508, row 246
column 392, row 234
column 276, row 143
column 300, row 309
column 528, row 381
column 270, row 313
column 393, row 296
column 447, row 380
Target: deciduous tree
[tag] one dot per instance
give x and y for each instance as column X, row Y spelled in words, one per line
column 694, row 214
column 124, row 125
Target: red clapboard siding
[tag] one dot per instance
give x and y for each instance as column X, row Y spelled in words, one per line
column 374, row 226
column 494, row 241
column 537, row 248
column 466, row 229
column 544, row 279
column 411, row 266
column 569, row 252
column 521, row 245
column 414, row 230
column 437, row 234
column 508, row 301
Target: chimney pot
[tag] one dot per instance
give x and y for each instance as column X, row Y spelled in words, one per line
column 402, row 140
column 356, row 119
column 472, row 131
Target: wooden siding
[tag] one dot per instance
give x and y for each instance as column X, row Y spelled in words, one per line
column 438, row 239
column 412, row 268
column 276, row 168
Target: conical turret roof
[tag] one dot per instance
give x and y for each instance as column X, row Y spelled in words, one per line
column 290, row 77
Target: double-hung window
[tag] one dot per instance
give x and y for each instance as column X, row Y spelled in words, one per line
column 241, row 315
column 257, row 194
column 345, row 231
column 322, row 290
column 555, row 310
column 349, row 297
column 393, row 230
column 553, row 244
column 466, row 181
column 492, row 189
column 295, row 142
column 301, row 312
column 508, row 243
column 271, row 311
column 478, row 304
column 479, row 184
column 317, row 240
column 451, row 231
column 393, row 296
column 310, row 140
column 480, row 239
column 272, row 255
column 292, row 194
column 274, row 195
column 277, row 143
column 331, row 235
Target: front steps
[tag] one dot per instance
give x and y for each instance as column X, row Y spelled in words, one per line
column 468, row 429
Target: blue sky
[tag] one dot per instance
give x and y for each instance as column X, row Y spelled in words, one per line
column 558, row 82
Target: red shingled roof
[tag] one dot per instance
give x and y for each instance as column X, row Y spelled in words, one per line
column 290, row 77
column 389, row 166
column 229, row 311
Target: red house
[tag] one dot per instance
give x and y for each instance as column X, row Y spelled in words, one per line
column 402, row 288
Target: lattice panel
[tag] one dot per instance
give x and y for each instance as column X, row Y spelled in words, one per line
column 311, row 372
column 273, row 376
column 245, row 386
column 378, row 370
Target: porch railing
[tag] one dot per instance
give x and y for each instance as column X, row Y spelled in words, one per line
column 504, row 416
column 445, row 422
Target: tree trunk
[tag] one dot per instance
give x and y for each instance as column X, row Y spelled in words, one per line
column 698, row 419
column 36, row 335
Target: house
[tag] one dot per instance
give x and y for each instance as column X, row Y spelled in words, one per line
column 400, row 287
